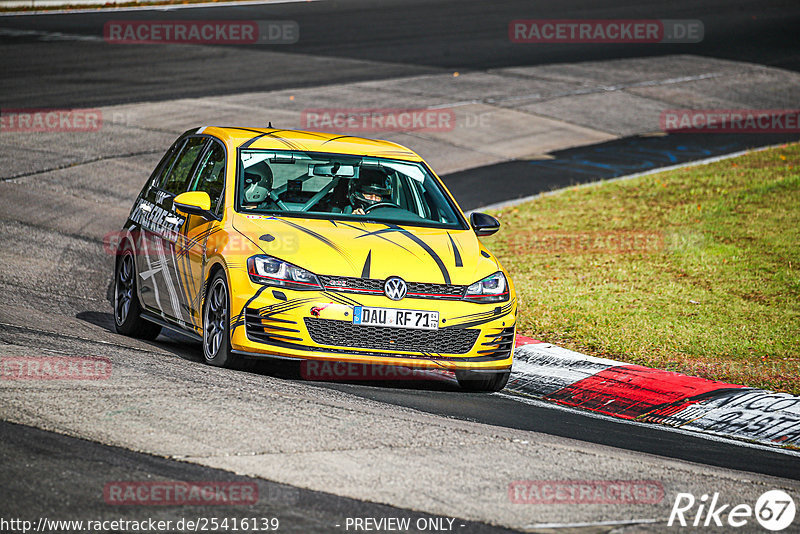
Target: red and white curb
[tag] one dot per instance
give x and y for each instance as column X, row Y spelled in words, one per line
column 639, row 393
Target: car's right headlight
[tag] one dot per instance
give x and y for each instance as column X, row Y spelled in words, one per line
column 272, row 271
column 493, row 288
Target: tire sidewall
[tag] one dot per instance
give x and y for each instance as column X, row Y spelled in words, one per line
column 133, row 309
column 223, row 356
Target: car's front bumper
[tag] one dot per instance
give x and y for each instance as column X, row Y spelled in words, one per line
column 318, row 325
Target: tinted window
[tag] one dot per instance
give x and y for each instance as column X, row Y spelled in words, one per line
column 166, row 163
column 178, row 177
column 210, row 176
column 340, row 186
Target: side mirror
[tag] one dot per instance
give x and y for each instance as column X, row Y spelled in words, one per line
column 483, row 224
column 194, row 203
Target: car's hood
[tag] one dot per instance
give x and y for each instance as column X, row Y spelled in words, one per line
column 371, row 250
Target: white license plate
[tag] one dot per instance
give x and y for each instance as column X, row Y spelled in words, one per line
column 421, row 320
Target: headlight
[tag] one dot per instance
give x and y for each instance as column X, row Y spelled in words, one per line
column 272, row 271
column 493, row 288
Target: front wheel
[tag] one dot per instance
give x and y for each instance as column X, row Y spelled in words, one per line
column 216, row 326
column 482, row 381
column 127, row 310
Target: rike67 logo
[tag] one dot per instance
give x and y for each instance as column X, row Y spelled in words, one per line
column 774, row 510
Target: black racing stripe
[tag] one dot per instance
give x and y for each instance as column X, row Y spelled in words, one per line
column 365, row 270
column 195, row 240
column 239, row 319
column 456, row 253
column 340, row 137
column 427, row 249
column 273, row 309
column 342, row 299
column 282, row 307
column 381, row 231
column 290, row 144
column 244, row 129
column 491, row 312
column 368, row 233
column 318, row 236
column 479, row 321
column 252, row 140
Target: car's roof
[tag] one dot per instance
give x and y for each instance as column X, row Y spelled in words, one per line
column 278, row 139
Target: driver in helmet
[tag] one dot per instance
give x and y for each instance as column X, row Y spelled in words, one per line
column 258, row 184
column 372, row 187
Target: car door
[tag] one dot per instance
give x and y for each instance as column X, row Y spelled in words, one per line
column 167, row 229
column 209, row 176
column 148, row 240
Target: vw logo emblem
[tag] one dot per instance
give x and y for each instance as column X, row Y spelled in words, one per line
column 395, row 288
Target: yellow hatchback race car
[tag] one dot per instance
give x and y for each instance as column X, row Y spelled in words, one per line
column 310, row 246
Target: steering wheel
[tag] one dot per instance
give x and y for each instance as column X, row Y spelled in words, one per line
column 381, row 205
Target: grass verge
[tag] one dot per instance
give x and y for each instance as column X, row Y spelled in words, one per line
column 695, row 270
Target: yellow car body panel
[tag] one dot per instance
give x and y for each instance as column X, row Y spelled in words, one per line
column 365, row 251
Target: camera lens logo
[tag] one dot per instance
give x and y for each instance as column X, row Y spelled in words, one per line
column 395, row 288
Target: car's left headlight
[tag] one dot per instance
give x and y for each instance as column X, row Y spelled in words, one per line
column 272, row 271
column 493, row 288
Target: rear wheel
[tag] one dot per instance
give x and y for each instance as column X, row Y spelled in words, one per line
column 127, row 310
column 482, row 381
column 216, row 324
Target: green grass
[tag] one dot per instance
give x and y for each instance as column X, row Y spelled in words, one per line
column 695, row 270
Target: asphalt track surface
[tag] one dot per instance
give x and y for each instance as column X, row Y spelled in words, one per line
column 360, row 41
column 75, row 469
column 580, row 165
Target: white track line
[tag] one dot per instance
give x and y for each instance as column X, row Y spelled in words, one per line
column 595, row 524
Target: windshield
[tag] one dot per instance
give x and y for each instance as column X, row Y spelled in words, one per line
column 310, row 184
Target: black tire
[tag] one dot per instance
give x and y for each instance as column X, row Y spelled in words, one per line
column 127, row 310
column 216, row 324
column 485, row 382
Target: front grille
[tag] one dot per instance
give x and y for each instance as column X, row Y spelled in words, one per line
column 374, row 286
column 346, row 334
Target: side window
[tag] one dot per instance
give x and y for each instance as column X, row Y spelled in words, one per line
column 178, row 177
column 210, row 175
column 166, row 163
